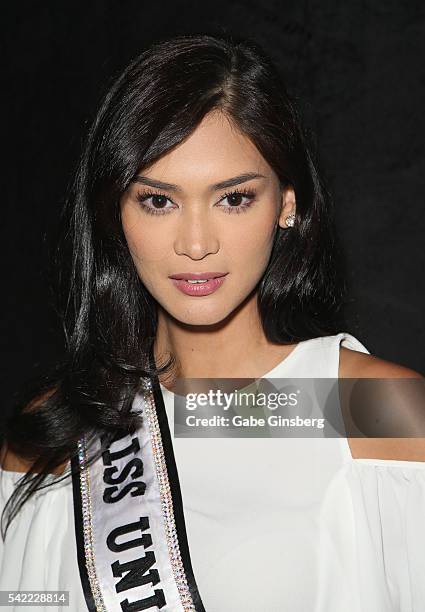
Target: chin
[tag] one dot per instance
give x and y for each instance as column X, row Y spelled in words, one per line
column 196, row 314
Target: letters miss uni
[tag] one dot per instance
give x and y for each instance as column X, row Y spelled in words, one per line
column 139, row 571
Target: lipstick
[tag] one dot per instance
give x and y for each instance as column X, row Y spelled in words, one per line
column 203, row 283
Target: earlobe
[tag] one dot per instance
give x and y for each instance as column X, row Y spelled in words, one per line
column 287, row 214
column 290, row 220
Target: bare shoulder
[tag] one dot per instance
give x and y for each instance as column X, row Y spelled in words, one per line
column 354, row 364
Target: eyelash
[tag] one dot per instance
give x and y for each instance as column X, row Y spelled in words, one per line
column 249, row 193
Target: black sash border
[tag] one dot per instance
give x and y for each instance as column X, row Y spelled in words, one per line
column 79, row 532
column 174, row 483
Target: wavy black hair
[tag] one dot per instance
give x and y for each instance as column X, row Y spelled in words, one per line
column 109, row 317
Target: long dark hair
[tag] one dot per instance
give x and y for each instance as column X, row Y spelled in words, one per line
column 109, row 318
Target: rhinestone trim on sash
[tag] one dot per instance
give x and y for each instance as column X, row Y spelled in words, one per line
column 166, row 498
column 87, row 527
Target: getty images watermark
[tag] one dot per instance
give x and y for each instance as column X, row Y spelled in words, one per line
column 299, row 407
column 243, row 399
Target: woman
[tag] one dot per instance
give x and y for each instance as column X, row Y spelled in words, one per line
column 201, row 245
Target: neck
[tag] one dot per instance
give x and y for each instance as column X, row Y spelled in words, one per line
column 235, row 347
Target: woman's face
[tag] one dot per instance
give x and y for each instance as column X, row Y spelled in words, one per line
column 194, row 225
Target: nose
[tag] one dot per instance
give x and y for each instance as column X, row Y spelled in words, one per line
column 196, row 236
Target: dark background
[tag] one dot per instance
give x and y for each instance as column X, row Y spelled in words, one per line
column 358, row 70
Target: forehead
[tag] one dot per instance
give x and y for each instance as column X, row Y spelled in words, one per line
column 215, row 149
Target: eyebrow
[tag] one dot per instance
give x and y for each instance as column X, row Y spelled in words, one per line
column 231, row 182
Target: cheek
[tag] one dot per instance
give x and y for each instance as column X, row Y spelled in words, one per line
column 146, row 246
column 251, row 247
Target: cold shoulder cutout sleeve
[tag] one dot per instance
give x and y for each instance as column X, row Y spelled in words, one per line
column 386, row 407
column 388, row 500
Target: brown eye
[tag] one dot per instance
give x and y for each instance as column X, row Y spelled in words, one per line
column 154, row 203
column 159, row 201
column 235, row 199
column 238, row 201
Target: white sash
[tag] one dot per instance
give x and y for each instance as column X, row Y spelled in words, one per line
column 131, row 538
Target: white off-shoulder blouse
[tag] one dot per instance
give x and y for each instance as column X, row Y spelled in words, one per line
column 273, row 524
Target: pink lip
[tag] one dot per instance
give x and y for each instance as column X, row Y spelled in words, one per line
column 199, row 289
column 197, row 275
